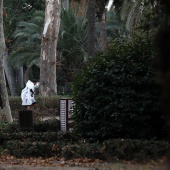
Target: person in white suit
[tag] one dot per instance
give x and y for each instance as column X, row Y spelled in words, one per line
column 27, row 94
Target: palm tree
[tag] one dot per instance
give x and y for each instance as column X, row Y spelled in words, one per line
column 73, row 37
column 101, row 14
column 72, row 46
column 115, row 28
column 135, row 14
column 27, row 43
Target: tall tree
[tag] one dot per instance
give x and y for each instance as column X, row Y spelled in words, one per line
column 48, row 85
column 72, row 48
column 6, row 111
column 91, row 28
column 101, row 14
column 10, row 76
column 15, row 11
column 25, row 49
column 65, row 4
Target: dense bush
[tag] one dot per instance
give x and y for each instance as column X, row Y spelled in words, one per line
column 38, row 136
column 69, row 145
column 116, row 94
column 51, row 125
column 82, row 149
column 110, row 150
column 45, row 105
column 137, row 150
column 34, row 149
column 29, row 136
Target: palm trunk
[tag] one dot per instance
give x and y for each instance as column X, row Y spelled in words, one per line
column 6, row 111
column 83, row 8
column 103, row 33
column 48, row 85
column 20, row 78
column 66, row 4
column 91, row 28
column 27, row 73
column 9, row 72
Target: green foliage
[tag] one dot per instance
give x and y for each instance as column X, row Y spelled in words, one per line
column 72, row 48
column 114, row 26
column 52, row 142
column 46, row 136
column 116, row 94
column 82, row 149
column 22, row 9
column 27, row 41
column 119, row 149
column 18, row 10
column 51, row 125
column 45, row 105
column 137, row 150
column 27, row 148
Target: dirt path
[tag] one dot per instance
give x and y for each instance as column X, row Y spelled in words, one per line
column 57, row 165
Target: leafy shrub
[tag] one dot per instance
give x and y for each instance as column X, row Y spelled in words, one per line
column 10, row 128
column 51, row 125
column 116, row 94
column 34, row 149
column 137, row 150
column 39, row 136
column 30, row 136
column 110, row 150
column 82, row 149
column 45, row 106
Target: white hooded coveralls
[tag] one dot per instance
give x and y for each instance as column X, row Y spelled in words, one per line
column 27, row 94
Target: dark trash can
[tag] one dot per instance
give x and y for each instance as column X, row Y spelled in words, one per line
column 25, row 118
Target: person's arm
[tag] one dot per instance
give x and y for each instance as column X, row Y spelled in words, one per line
column 32, row 92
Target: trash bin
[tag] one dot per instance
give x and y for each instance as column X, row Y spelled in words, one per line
column 25, row 118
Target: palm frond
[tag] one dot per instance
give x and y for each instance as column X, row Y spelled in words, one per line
column 27, row 41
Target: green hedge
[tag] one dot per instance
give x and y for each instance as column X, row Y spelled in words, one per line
column 51, row 125
column 137, row 150
column 38, row 136
column 110, row 150
column 48, row 141
column 45, row 105
column 31, row 149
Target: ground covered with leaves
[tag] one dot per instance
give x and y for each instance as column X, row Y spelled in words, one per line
column 8, row 160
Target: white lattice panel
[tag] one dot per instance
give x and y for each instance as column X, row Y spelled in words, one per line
column 63, row 111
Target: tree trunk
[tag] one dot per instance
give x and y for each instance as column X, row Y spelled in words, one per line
column 91, row 28
column 9, row 72
column 48, row 85
column 66, row 4
column 20, row 77
column 103, row 33
column 5, row 107
column 27, row 73
column 83, row 8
